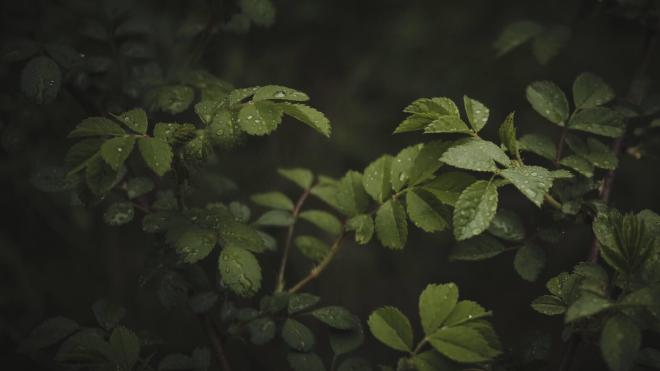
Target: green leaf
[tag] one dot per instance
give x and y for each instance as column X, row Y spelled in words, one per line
column 599, row 120
column 240, row 271
column 261, row 12
column 352, row 199
column 477, row 248
column 538, row 144
column 275, row 200
column 49, row 332
column 275, row 218
column 549, row 101
column 328, row 192
column 99, row 175
column 108, row 315
column 135, row 119
column 431, row 361
column 309, row 116
column 424, row 166
column 477, row 113
column 516, row 34
column 392, row 225
column 300, row 176
column 119, row 213
column 192, row 243
column 507, row 134
column 224, row 130
column 465, row 311
column 532, row 181
column 424, row 111
column 346, row 341
column 447, row 187
column 507, row 225
column 578, row 164
column 529, row 261
column 84, row 345
column 126, row 347
column 425, row 211
column 590, row 90
column 174, row 133
column 619, row 342
column 434, row 107
column 549, row 305
column 474, row 154
column 301, row 301
column 586, row 305
column 363, row 225
column 259, row 118
column 41, row 80
column 601, row 155
column 157, row 154
column 136, row 187
column 564, row 286
column 305, row 362
column 463, row 344
column 116, row 150
column 376, row 179
column 297, row 336
column 237, row 96
column 323, row 220
column 237, row 234
column 277, row 92
column 548, row 43
column 446, row 124
column 413, row 123
column 475, row 209
column 336, row 317
column 312, row 248
column 402, row 164
column 96, row 126
column 436, row 303
column 173, row 99
column 262, row 330
column 392, row 328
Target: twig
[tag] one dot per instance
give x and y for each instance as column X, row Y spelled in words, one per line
column 289, row 236
column 317, row 270
column 216, row 341
column 560, row 144
column 552, row 201
column 635, row 95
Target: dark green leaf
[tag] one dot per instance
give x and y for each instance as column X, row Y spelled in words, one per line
column 297, row 336
column 41, row 79
column 392, row 225
column 240, row 271
column 529, row 261
column 477, row 248
column 549, row 101
column 475, row 209
column 392, row 328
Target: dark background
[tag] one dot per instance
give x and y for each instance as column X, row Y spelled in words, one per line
column 361, row 62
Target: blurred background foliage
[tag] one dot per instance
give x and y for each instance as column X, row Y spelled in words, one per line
column 361, row 62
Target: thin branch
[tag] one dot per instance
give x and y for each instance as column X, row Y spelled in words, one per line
column 635, row 95
column 289, row 236
column 560, row 144
column 552, row 201
column 216, row 341
column 317, row 270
